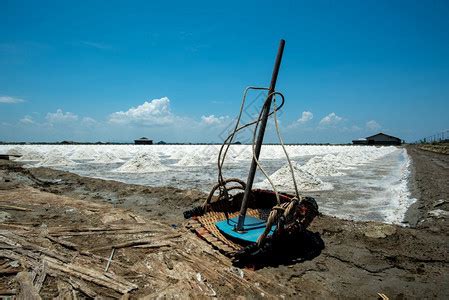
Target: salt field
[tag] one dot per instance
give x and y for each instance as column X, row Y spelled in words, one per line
column 350, row 182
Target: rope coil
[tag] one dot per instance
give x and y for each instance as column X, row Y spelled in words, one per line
column 221, row 185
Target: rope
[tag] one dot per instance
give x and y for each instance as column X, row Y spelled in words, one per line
column 282, row 211
column 257, row 161
column 283, row 147
column 228, row 141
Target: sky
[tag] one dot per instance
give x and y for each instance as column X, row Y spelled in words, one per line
column 114, row 71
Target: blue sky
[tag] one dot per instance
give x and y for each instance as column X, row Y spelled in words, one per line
column 175, row 71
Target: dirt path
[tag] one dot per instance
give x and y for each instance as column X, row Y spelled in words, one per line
column 430, row 186
column 361, row 259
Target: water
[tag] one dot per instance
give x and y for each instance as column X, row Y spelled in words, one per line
column 350, row 182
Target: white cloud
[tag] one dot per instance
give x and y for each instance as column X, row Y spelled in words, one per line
column 10, row 100
column 330, row 119
column 27, row 120
column 155, row 112
column 373, row 125
column 87, row 121
column 213, row 120
column 306, row 117
column 60, row 117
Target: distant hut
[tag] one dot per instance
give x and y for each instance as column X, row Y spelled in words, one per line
column 360, row 141
column 143, row 141
column 379, row 139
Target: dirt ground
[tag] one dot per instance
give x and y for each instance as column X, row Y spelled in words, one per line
column 58, row 229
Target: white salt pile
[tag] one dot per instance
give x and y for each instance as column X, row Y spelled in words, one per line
column 319, row 166
column 31, row 156
column 230, row 160
column 107, row 158
column 84, row 154
column 271, row 152
column 283, row 181
column 192, row 160
column 143, row 163
column 55, row 161
column 15, row 151
column 122, row 153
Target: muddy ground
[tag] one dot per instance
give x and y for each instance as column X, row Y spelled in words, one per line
column 360, row 259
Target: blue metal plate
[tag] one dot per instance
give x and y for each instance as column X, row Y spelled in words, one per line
column 253, row 228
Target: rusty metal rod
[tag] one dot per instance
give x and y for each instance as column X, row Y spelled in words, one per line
column 260, row 136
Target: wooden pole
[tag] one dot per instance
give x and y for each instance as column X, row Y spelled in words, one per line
column 261, row 133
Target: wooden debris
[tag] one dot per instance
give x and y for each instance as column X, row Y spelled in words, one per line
column 151, row 246
column 8, row 293
column 65, row 291
column 139, row 219
column 82, row 287
column 15, row 226
column 109, row 260
column 11, row 207
column 27, row 289
column 63, row 243
column 132, row 243
column 110, row 281
column 8, row 268
column 41, row 274
column 106, row 232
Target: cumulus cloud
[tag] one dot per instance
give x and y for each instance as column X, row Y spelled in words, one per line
column 87, row 121
column 330, row 119
column 60, row 117
column 27, row 120
column 373, row 125
column 10, row 100
column 306, row 117
column 213, row 120
column 154, row 112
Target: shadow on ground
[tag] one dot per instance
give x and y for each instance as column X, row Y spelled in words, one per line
column 282, row 251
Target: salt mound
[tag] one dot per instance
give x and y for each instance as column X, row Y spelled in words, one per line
column 318, row 166
column 55, row 161
column 15, row 151
column 192, row 160
column 283, row 181
column 84, row 154
column 107, row 158
column 229, row 160
column 142, row 163
column 31, row 156
column 121, row 153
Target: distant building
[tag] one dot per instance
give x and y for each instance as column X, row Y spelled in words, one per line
column 143, row 141
column 360, row 141
column 378, row 139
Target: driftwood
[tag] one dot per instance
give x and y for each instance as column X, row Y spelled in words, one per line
column 101, row 258
column 23, row 245
column 11, row 207
column 15, row 226
column 66, row 244
column 108, row 228
column 41, row 274
column 82, row 287
column 110, row 281
column 65, row 291
column 109, row 260
column 27, row 289
column 152, row 246
column 105, row 232
column 8, row 292
column 6, row 269
column 132, row 243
